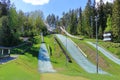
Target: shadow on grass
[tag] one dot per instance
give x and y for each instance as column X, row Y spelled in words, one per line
column 54, row 62
column 7, row 59
column 30, row 49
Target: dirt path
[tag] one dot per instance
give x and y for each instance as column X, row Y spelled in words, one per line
column 57, row 76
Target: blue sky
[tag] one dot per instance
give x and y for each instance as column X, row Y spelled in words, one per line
column 56, row 7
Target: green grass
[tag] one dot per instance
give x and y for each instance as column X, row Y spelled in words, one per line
column 58, row 76
column 25, row 67
column 104, row 62
column 59, row 62
column 112, row 47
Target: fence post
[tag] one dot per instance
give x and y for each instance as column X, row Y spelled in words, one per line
column 9, row 52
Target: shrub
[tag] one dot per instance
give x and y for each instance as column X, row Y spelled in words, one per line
column 36, row 39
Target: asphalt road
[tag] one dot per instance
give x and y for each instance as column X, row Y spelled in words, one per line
column 78, row 56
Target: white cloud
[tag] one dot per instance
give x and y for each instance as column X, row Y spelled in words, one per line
column 36, row 2
column 105, row 1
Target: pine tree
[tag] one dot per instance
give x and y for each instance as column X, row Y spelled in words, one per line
column 116, row 21
column 108, row 8
column 4, row 7
column 7, row 37
column 73, row 23
column 102, row 17
column 51, row 20
column 13, row 18
column 87, row 17
column 79, row 26
column 13, row 24
column 9, row 34
column 21, row 18
column 93, row 23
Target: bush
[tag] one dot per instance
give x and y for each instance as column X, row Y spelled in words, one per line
column 36, row 40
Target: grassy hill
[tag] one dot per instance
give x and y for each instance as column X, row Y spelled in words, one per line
column 112, row 47
column 25, row 67
column 104, row 62
column 72, row 69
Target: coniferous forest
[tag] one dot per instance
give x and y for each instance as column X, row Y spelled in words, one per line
column 83, row 22
column 14, row 24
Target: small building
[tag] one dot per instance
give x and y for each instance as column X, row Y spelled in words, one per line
column 4, row 52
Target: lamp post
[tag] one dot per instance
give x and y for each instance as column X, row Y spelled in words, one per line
column 97, row 60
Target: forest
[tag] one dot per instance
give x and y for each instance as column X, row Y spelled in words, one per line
column 15, row 24
column 83, row 22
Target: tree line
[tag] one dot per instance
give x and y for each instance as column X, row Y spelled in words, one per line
column 83, row 22
column 15, row 24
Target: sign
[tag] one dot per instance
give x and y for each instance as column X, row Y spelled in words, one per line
column 107, row 36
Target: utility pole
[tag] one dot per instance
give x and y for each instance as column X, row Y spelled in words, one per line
column 97, row 60
column 91, row 18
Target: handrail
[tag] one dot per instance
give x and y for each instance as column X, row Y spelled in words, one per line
column 2, row 47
